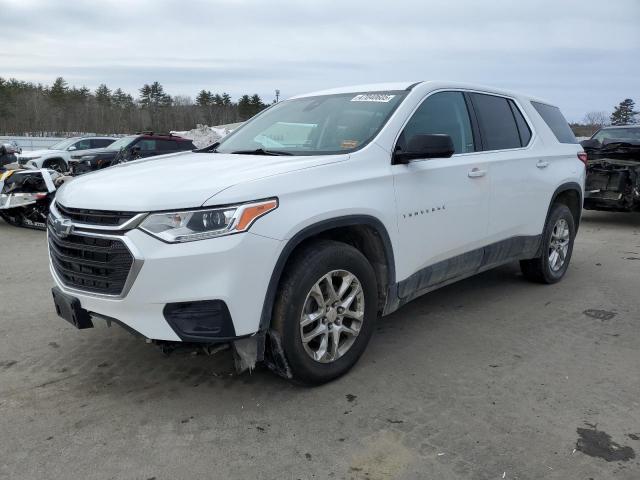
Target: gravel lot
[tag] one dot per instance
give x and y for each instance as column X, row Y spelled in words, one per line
column 490, row 378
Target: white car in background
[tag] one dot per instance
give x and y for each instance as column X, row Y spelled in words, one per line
column 57, row 156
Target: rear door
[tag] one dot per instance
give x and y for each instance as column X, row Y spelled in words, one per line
column 443, row 203
column 518, row 172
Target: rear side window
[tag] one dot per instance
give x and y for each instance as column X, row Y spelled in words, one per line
column 101, row 142
column 523, row 128
column 166, row 145
column 497, row 122
column 553, row 117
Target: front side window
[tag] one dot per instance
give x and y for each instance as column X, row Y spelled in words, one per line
column 497, row 122
column 441, row 113
column 83, row 144
column 327, row 124
column 147, row 144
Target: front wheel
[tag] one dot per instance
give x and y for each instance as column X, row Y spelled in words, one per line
column 325, row 311
column 557, row 247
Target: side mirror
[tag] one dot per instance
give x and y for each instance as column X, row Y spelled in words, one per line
column 590, row 144
column 71, row 148
column 425, row 146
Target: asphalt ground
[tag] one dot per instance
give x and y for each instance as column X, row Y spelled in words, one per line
column 490, row 378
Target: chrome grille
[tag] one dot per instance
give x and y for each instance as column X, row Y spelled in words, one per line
column 95, row 217
column 89, row 263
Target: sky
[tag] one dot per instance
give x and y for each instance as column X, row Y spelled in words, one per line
column 582, row 55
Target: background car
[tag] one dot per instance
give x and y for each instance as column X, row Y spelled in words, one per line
column 613, row 170
column 57, row 156
column 141, row 145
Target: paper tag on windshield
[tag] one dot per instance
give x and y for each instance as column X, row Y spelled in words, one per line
column 373, row 97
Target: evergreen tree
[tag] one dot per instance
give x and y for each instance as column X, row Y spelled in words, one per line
column 624, row 113
column 103, row 95
column 122, row 100
column 58, row 90
column 205, row 98
column 245, row 109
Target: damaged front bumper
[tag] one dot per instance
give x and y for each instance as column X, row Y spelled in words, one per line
column 613, row 185
column 190, row 293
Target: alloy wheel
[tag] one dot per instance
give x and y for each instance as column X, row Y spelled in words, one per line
column 332, row 316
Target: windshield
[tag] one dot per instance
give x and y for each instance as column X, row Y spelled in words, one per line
column 632, row 134
column 63, row 144
column 327, row 124
column 121, row 143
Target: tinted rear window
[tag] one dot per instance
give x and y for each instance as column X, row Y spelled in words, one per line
column 497, row 123
column 553, row 117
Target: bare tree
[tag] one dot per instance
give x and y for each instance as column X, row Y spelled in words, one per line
column 596, row 119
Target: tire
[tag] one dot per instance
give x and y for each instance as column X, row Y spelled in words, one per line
column 546, row 268
column 56, row 164
column 305, row 284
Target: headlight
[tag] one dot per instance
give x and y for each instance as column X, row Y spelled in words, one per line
column 31, row 158
column 190, row 225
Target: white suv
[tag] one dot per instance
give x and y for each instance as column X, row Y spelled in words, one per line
column 288, row 238
column 57, row 156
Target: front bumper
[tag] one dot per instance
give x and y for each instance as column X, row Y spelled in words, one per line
column 234, row 269
column 77, row 167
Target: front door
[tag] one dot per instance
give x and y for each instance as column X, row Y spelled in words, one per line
column 443, row 203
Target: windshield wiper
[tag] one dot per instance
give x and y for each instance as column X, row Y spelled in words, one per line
column 261, row 151
column 208, row 149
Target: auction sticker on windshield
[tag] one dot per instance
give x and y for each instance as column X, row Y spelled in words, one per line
column 373, row 97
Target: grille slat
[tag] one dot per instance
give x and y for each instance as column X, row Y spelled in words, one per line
column 92, row 264
column 95, row 217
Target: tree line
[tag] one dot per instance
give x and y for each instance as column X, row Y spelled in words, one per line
column 60, row 109
column 623, row 114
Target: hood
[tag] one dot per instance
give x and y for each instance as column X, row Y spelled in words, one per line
column 181, row 180
column 37, row 153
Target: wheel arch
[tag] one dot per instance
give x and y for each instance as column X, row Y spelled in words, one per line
column 570, row 194
column 352, row 229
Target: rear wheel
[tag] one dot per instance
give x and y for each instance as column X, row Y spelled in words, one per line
column 557, row 247
column 326, row 308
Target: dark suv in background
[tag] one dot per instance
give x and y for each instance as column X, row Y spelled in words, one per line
column 131, row 147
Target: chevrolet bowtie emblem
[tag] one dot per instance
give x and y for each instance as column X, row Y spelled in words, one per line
column 62, row 227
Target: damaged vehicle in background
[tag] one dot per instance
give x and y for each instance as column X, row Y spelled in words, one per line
column 613, row 169
column 26, row 194
column 58, row 156
column 131, row 147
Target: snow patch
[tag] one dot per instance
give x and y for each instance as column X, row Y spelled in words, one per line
column 204, row 135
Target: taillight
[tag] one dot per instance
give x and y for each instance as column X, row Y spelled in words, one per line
column 582, row 156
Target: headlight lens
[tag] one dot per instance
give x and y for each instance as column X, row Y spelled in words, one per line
column 32, row 158
column 190, row 225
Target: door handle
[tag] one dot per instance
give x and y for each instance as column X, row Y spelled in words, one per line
column 542, row 164
column 476, row 173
